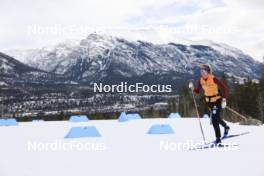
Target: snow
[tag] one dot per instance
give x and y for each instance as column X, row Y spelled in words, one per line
column 5, row 66
column 93, row 55
column 47, row 58
column 163, row 35
column 127, row 149
column 2, row 83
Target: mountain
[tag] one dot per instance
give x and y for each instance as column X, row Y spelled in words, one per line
column 18, row 76
column 12, row 67
column 108, row 59
column 44, row 58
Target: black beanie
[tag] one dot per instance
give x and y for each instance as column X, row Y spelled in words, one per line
column 206, row 68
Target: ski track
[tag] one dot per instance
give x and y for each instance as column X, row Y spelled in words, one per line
column 129, row 150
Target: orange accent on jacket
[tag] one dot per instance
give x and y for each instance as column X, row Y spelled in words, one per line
column 209, row 86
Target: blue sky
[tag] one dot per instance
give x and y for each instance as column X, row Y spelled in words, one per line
column 235, row 22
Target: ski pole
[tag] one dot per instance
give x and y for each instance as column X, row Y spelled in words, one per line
column 235, row 112
column 197, row 113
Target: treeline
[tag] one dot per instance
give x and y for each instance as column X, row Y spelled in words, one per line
column 246, row 97
column 66, row 116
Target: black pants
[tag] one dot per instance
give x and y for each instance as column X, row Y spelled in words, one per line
column 215, row 109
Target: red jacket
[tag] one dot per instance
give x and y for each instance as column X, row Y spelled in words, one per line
column 222, row 87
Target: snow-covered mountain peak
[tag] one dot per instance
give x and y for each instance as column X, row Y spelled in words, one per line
column 96, row 44
column 101, row 57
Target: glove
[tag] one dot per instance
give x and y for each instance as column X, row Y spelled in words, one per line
column 191, row 86
column 223, row 104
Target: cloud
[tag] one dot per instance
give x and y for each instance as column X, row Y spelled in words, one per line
column 235, row 22
column 17, row 16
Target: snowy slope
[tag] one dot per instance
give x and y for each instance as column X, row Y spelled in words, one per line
column 46, row 57
column 129, row 150
column 13, row 72
column 101, row 57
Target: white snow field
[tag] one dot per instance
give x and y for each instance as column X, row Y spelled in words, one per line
column 125, row 149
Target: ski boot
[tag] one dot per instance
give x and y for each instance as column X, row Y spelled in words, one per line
column 218, row 143
column 227, row 128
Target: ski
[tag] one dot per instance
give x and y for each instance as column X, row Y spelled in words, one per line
column 230, row 136
column 233, row 135
column 212, row 144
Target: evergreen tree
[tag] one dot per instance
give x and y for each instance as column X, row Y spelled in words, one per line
column 186, row 103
